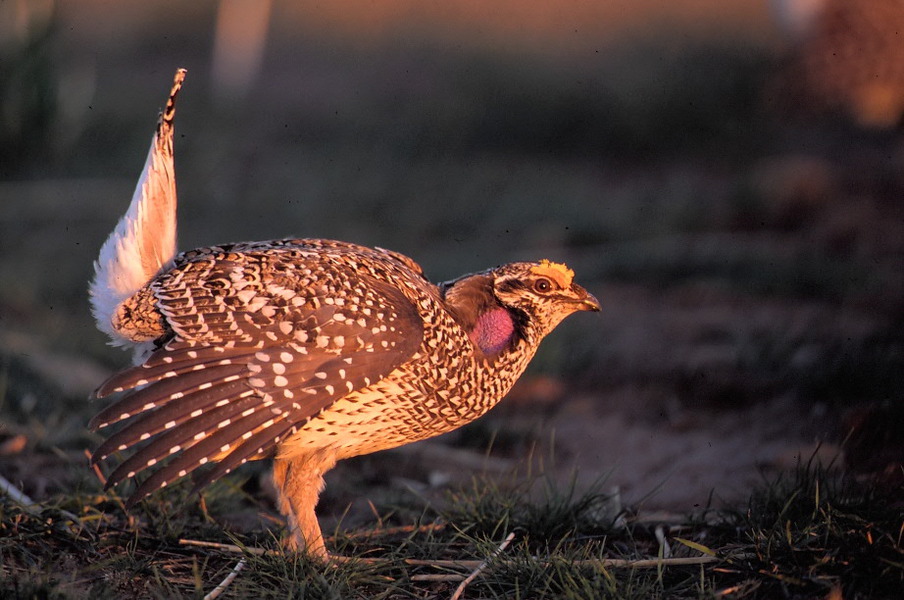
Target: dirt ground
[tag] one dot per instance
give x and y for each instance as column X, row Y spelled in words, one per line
column 750, row 267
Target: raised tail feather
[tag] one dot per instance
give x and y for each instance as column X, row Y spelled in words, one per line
column 144, row 240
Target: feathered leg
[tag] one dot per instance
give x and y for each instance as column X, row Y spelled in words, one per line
column 299, row 481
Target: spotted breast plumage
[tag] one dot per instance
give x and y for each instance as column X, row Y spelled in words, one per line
column 305, row 350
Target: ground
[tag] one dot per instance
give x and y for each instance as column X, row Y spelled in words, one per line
column 748, row 256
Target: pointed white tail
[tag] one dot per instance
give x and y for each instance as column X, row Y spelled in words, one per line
column 144, row 240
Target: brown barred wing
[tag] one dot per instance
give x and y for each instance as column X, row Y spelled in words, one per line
column 245, row 378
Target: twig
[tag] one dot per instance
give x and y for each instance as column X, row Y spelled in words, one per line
column 646, row 563
column 96, row 468
column 17, row 495
column 375, row 513
column 461, row 588
column 663, row 542
column 368, row 533
column 450, row 577
column 32, row 507
column 443, row 564
column 103, row 481
column 229, row 547
column 260, row 551
column 600, row 563
column 215, row 592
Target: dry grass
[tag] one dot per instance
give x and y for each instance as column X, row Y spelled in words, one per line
column 801, row 537
column 653, row 165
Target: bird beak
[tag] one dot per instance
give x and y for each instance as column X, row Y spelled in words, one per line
column 585, row 300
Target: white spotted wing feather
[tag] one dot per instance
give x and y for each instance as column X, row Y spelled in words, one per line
column 264, row 337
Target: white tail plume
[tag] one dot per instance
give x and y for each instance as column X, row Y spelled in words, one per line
column 144, row 240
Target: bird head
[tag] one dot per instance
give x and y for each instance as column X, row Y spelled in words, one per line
column 544, row 292
column 517, row 300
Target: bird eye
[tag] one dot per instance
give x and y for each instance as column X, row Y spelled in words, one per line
column 542, row 285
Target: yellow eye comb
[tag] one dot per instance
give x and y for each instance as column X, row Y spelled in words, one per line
column 557, row 272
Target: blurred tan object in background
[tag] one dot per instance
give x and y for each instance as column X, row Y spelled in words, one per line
column 238, row 50
column 846, row 56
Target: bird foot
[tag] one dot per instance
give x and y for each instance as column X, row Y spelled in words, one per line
column 295, row 543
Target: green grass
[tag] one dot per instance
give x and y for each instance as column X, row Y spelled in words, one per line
column 814, row 533
column 802, row 536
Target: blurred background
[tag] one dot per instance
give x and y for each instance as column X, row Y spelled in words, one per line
column 727, row 178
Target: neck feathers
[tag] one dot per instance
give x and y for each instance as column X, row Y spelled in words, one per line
column 494, row 331
column 491, row 327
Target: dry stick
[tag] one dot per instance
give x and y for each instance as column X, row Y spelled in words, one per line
column 103, row 481
column 460, row 564
column 646, row 563
column 229, row 547
column 97, row 472
column 17, row 495
column 603, row 563
column 215, row 592
column 30, row 506
column 461, row 588
column 663, row 542
column 444, row 577
column 261, row 552
column 396, row 530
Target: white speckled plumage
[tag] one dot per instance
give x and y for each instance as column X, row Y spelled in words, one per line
column 309, row 351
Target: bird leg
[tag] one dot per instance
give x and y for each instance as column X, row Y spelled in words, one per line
column 299, row 481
